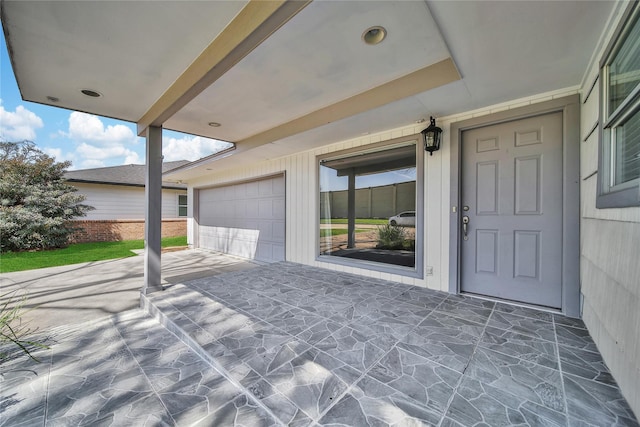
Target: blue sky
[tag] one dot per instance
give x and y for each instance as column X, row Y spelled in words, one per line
column 86, row 140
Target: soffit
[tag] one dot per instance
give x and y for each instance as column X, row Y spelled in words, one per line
column 316, row 60
column 129, row 51
column 507, row 50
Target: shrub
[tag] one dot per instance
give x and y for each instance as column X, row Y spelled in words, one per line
column 409, row 245
column 36, row 203
column 390, row 237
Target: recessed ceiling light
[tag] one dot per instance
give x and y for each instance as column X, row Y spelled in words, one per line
column 52, row 99
column 374, row 35
column 214, row 124
column 91, row 93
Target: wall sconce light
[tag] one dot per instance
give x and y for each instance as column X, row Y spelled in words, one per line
column 432, row 136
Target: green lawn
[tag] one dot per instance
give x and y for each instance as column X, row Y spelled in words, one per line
column 365, row 221
column 79, row 252
column 324, row 232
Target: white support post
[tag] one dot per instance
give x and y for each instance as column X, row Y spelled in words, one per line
column 153, row 211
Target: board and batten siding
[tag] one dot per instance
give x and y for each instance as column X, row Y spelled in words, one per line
column 112, row 202
column 609, row 252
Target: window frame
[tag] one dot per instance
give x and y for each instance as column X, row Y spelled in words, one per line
column 185, row 206
column 609, row 194
column 418, row 270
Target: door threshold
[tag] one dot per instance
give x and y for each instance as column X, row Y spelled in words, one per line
column 513, row 303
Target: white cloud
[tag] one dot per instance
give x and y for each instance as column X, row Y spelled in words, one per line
column 89, row 143
column 89, row 128
column 133, row 158
column 54, row 152
column 58, row 154
column 190, row 148
column 98, row 145
column 103, row 153
column 90, row 164
column 18, row 125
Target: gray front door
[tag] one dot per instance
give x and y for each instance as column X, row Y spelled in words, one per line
column 512, row 197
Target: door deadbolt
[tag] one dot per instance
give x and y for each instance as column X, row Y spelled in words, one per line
column 465, row 224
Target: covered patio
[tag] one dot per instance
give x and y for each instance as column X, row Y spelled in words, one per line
column 287, row 344
column 292, row 83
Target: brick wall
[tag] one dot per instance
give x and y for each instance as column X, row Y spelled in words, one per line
column 115, row 230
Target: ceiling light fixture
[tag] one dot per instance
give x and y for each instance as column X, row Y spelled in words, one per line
column 214, row 124
column 91, row 93
column 374, row 35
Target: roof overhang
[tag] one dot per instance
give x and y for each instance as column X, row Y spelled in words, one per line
column 165, row 185
column 284, row 76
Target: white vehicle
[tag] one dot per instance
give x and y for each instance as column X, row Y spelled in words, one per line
column 404, row 219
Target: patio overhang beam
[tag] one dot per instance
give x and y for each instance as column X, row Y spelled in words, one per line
column 252, row 26
column 422, row 80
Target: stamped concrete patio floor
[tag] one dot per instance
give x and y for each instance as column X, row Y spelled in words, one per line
column 286, row 344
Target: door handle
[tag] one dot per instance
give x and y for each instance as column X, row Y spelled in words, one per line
column 465, row 223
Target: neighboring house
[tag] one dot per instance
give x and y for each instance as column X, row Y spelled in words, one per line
column 534, row 196
column 117, row 195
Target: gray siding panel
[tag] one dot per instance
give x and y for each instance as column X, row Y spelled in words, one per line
column 609, row 259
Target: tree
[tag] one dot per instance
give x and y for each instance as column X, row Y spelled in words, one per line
column 36, row 204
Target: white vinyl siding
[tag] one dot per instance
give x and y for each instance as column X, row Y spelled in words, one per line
column 124, row 202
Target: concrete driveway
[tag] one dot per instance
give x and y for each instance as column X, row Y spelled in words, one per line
column 78, row 293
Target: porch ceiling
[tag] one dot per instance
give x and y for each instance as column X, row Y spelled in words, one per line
column 284, row 77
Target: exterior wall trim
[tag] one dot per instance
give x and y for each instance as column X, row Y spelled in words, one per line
column 570, row 107
column 243, row 181
column 122, row 184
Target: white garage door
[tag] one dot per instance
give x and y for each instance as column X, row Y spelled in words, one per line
column 244, row 219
